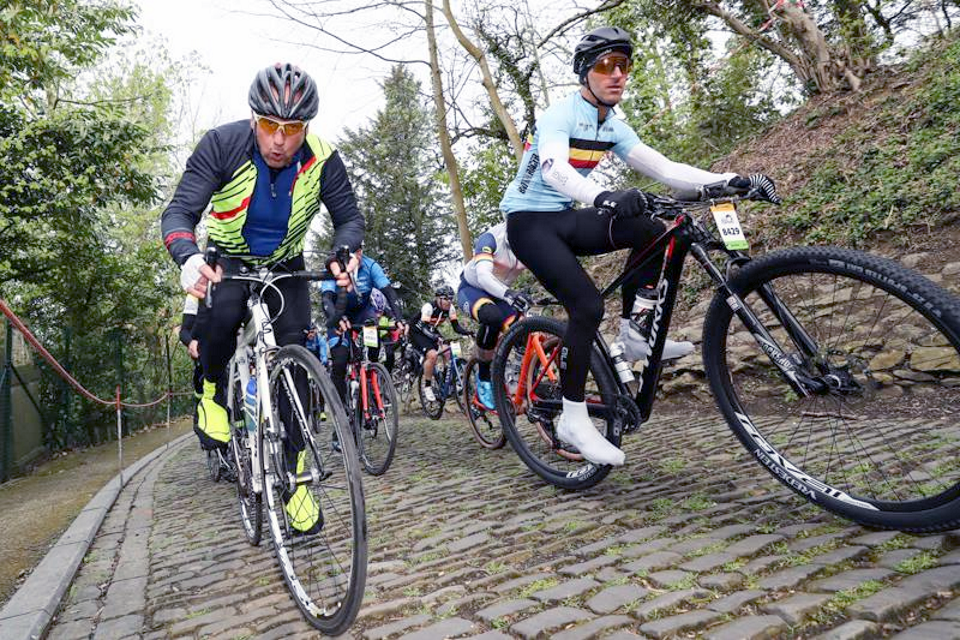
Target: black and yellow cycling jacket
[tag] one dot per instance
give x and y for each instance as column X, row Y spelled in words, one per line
column 221, row 172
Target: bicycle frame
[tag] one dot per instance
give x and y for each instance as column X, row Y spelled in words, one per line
column 357, row 370
column 256, row 336
column 686, row 235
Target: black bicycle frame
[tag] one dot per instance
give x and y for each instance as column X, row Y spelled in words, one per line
column 680, row 238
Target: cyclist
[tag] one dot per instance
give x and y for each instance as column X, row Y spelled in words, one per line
column 425, row 333
column 372, row 295
column 547, row 233
column 265, row 179
column 317, row 343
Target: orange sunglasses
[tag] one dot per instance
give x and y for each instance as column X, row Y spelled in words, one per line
column 271, row 126
column 607, row 65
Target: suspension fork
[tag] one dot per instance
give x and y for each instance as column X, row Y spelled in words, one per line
column 800, row 383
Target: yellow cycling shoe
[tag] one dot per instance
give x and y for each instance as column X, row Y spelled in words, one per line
column 213, row 427
column 304, row 512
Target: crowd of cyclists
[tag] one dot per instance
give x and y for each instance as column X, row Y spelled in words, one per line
column 265, row 178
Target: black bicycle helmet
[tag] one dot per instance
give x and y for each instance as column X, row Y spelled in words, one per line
column 285, row 92
column 445, row 291
column 597, row 44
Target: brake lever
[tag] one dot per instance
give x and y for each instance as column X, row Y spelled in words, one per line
column 210, row 258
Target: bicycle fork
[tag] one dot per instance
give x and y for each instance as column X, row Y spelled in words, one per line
column 801, row 383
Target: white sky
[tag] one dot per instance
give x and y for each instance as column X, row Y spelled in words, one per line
column 235, row 44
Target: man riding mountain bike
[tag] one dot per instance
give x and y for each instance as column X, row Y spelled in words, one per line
column 265, row 179
column 547, row 232
column 425, row 333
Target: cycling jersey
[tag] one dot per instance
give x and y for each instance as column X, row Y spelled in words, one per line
column 493, row 267
column 566, row 144
column 369, row 276
column 222, row 172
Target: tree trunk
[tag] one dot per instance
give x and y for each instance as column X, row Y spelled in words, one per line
column 449, row 159
column 477, row 54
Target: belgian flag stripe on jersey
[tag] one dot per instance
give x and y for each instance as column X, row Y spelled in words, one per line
column 586, row 154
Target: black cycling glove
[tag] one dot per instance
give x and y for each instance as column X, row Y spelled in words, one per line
column 628, row 203
column 518, row 300
column 765, row 188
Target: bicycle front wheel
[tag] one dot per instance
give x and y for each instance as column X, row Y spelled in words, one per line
column 314, row 495
column 459, row 367
column 873, row 436
column 484, row 422
column 526, row 385
column 433, row 409
column 378, row 422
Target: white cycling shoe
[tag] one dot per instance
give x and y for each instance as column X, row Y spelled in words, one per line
column 428, row 394
column 635, row 347
column 574, row 427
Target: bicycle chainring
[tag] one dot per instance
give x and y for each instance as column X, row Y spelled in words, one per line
column 628, row 414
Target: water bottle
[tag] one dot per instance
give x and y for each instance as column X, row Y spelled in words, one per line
column 642, row 313
column 250, row 405
column 624, row 372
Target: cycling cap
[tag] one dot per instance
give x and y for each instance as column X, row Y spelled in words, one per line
column 597, row 44
column 445, row 291
column 284, row 91
column 378, row 301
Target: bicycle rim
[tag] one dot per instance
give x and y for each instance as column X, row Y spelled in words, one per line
column 377, row 434
column 879, row 442
column 526, row 383
column 324, row 571
column 484, row 423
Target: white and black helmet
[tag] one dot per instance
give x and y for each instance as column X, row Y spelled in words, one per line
column 284, row 91
column 595, row 45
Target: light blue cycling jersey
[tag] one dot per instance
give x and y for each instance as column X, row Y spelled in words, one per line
column 576, row 120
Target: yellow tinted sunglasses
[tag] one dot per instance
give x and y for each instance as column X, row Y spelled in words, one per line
column 271, row 126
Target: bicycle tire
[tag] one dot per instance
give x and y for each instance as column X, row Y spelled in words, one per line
column 325, row 572
column 531, row 431
column 377, row 437
column 459, row 365
column 484, row 423
column 877, row 443
column 249, row 502
column 434, row 409
column 214, row 468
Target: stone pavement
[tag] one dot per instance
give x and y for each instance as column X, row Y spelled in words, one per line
column 690, row 539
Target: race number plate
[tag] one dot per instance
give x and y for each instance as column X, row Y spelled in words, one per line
column 370, row 338
column 728, row 224
column 455, row 348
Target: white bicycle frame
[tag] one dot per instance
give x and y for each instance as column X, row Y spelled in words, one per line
column 256, row 337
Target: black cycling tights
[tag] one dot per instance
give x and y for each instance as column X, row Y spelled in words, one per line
column 548, row 243
column 219, row 339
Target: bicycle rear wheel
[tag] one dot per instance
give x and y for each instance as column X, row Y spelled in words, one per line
column 526, row 385
column 250, row 502
column 325, row 571
column 877, row 438
column 483, row 422
column 377, row 434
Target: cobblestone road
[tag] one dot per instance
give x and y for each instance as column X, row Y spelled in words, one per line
column 690, row 539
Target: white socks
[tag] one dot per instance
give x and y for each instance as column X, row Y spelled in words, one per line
column 575, row 427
